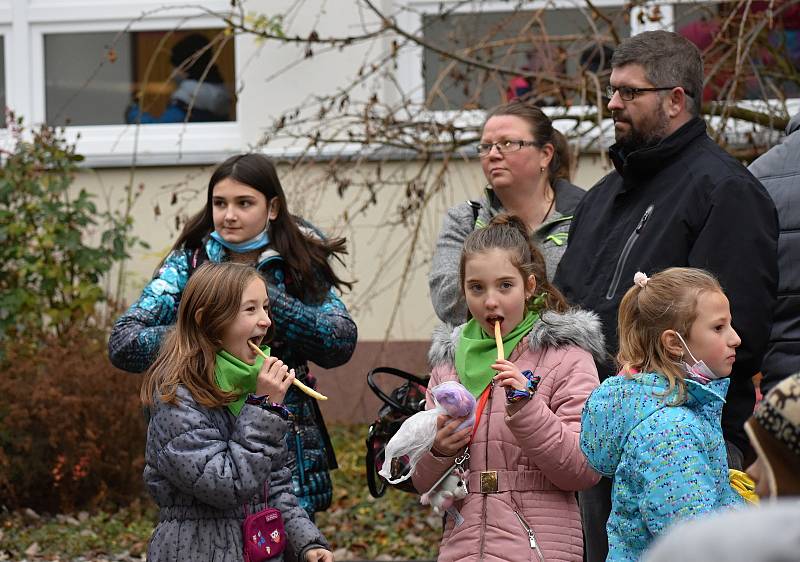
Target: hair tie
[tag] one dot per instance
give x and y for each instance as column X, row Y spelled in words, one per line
column 640, row 279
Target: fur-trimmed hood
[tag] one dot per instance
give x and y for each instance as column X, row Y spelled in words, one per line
column 554, row 329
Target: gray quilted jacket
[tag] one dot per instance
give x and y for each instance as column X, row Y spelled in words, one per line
column 779, row 170
column 203, row 465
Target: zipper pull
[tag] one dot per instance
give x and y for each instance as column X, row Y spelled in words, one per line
column 532, row 538
column 644, row 218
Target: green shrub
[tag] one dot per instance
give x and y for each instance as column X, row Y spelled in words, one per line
column 72, row 430
column 50, row 274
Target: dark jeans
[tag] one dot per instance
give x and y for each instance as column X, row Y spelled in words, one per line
column 595, row 504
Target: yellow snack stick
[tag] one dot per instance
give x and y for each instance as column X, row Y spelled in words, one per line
column 498, row 339
column 310, row 391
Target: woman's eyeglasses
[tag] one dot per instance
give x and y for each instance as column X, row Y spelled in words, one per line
column 503, row 147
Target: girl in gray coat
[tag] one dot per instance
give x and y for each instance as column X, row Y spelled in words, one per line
column 215, row 442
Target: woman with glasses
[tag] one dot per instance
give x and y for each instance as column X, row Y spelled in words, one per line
column 526, row 163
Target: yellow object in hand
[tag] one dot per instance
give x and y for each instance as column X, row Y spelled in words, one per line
column 498, row 339
column 743, row 485
column 308, row 390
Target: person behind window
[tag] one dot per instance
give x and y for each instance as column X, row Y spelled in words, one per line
column 543, row 61
column 201, row 94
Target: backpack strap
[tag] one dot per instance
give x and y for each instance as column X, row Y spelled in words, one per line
column 196, row 259
column 476, row 207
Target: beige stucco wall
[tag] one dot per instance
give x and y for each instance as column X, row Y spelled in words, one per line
column 379, row 244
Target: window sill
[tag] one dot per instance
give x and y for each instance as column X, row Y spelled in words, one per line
column 168, row 144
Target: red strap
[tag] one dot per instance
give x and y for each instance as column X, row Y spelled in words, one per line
column 481, row 405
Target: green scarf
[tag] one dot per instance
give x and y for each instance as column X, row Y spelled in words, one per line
column 476, row 352
column 234, row 375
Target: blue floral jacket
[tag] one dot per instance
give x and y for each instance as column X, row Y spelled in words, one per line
column 323, row 332
column 668, row 462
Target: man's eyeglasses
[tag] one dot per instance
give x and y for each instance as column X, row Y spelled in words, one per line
column 627, row 93
column 503, row 147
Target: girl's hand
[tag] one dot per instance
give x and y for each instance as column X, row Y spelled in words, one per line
column 274, row 379
column 509, row 375
column 448, row 441
column 319, row 555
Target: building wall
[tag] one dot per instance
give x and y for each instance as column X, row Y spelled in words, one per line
column 394, row 321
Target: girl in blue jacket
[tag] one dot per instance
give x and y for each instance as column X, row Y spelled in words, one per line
column 246, row 220
column 655, row 429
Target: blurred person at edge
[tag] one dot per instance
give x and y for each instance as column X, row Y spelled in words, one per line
column 769, row 533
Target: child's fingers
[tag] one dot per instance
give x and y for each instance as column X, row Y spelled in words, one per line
column 268, row 363
column 511, row 379
column 287, row 380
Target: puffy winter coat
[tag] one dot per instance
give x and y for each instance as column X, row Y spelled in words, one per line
column 322, row 331
column 668, row 462
column 202, row 466
column 779, row 171
column 535, row 452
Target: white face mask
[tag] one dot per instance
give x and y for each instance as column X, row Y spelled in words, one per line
column 699, row 372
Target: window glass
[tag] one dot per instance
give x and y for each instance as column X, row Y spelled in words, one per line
column 139, row 77
column 770, row 68
column 557, row 43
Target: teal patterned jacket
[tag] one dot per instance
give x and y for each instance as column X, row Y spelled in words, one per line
column 668, row 462
column 323, row 332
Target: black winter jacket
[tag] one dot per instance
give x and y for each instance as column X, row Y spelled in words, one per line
column 779, row 171
column 684, row 202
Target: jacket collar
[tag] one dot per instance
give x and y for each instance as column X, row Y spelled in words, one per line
column 574, row 327
column 794, row 124
column 648, row 161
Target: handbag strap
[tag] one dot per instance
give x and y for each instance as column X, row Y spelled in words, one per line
column 266, row 491
column 481, row 405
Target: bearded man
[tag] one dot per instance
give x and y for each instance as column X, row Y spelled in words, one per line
column 674, row 198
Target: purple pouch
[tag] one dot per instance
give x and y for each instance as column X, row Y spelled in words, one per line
column 263, row 533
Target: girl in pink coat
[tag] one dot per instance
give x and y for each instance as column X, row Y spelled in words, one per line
column 524, row 457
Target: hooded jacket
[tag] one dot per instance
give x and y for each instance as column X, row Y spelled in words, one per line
column 668, row 462
column 322, row 331
column 534, row 452
column 203, row 465
column 779, row 170
column 684, row 202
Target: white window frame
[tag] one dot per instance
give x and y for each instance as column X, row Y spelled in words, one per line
column 410, row 59
column 24, row 23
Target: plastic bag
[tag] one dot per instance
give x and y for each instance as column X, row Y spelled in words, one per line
column 415, row 437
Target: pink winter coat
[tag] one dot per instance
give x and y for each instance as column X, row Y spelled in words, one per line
column 535, row 452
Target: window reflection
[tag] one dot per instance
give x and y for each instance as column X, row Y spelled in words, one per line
column 139, row 77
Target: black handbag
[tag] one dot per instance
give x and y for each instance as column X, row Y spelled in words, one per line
column 398, row 405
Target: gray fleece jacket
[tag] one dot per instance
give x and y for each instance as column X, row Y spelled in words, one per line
column 203, row 465
column 551, row 237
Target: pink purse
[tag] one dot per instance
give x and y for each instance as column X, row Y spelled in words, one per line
column 263, row 533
